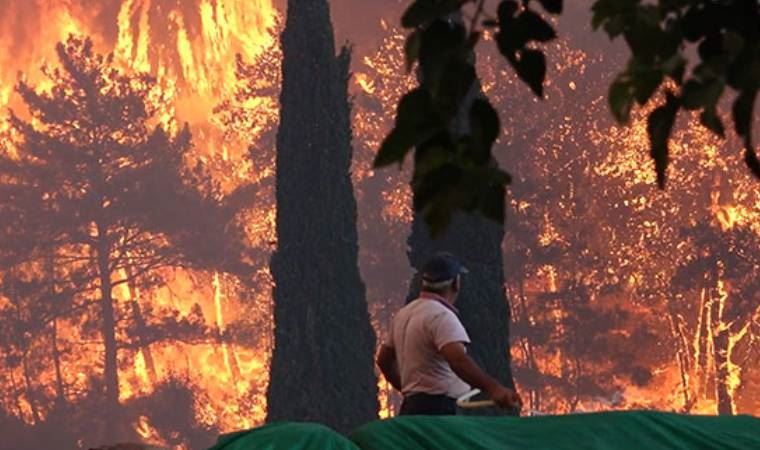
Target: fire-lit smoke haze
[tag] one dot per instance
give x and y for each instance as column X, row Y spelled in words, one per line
column 622, row 296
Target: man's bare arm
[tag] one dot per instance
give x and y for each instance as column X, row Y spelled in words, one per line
column 455, row 354
column 386, row 361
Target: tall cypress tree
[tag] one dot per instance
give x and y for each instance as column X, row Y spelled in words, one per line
column 322, row 364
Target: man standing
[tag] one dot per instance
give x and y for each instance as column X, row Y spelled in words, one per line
column 425, row 356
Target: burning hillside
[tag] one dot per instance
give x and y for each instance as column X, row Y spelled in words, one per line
column 622, row 296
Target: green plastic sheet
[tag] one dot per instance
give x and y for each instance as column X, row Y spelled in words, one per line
column 630, row 430
column 285, row 436
column 599, row 431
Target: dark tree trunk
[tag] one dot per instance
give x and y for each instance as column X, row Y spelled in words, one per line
column 142, row 330
column 536, row 385
column 476, row 241
column 682, row 353
column 702, row 338
column 322, row 364
column 108, row 330
column 60, row 390
column 483, row 307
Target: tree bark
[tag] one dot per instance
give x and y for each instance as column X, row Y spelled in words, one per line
column 322, row 363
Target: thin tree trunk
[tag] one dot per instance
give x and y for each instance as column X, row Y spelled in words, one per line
column 60, row 390
column 684, row 365
column 29, row 389
column 108, row 330
column 532, row 362
column 701, row 340
column 150, row 365
column 725, row 402
column 16, row 395
column 142, row 329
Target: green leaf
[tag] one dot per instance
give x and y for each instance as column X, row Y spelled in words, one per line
column 528, row 26
column 621, row 99
column 412, row 49
column 614, row 27
column 645, row 40
column 531, row 68
column 450, row 89
column 733, row 43
column 675, row 66
column 711, row 121
column 750, row 158
column 484, row 129
column 698, row 95
column 416, row 122
column 506, row 11
column 437, row 195
column 645, row 82
column 744, row 72
column 424, row 11
column 433, row 154
column 659, row 127
column 742, row 112
column 552, row 6
column 441, row 43
column 533, row 27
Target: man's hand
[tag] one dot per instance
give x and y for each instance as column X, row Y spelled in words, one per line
column 456, row 355
column 505, row 398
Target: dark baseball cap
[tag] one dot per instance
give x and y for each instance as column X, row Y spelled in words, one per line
column 443, row 266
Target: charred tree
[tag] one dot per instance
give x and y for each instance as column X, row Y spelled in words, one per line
column 322, row 362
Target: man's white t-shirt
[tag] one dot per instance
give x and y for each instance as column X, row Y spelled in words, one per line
column 418, row 331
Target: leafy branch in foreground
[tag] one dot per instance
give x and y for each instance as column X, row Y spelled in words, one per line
column 727, row 39
column 454, row 167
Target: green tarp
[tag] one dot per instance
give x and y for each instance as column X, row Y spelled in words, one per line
column 632, row 430
column 285, row 436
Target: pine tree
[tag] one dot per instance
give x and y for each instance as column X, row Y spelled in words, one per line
column 99, row 191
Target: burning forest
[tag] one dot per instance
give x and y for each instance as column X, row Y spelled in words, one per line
column 143, row 194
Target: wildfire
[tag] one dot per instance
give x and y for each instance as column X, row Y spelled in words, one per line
column 191, row 48
column 615, row 230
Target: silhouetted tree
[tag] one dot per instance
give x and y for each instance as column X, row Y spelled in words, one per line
column 322, row 364
column 99, row 189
